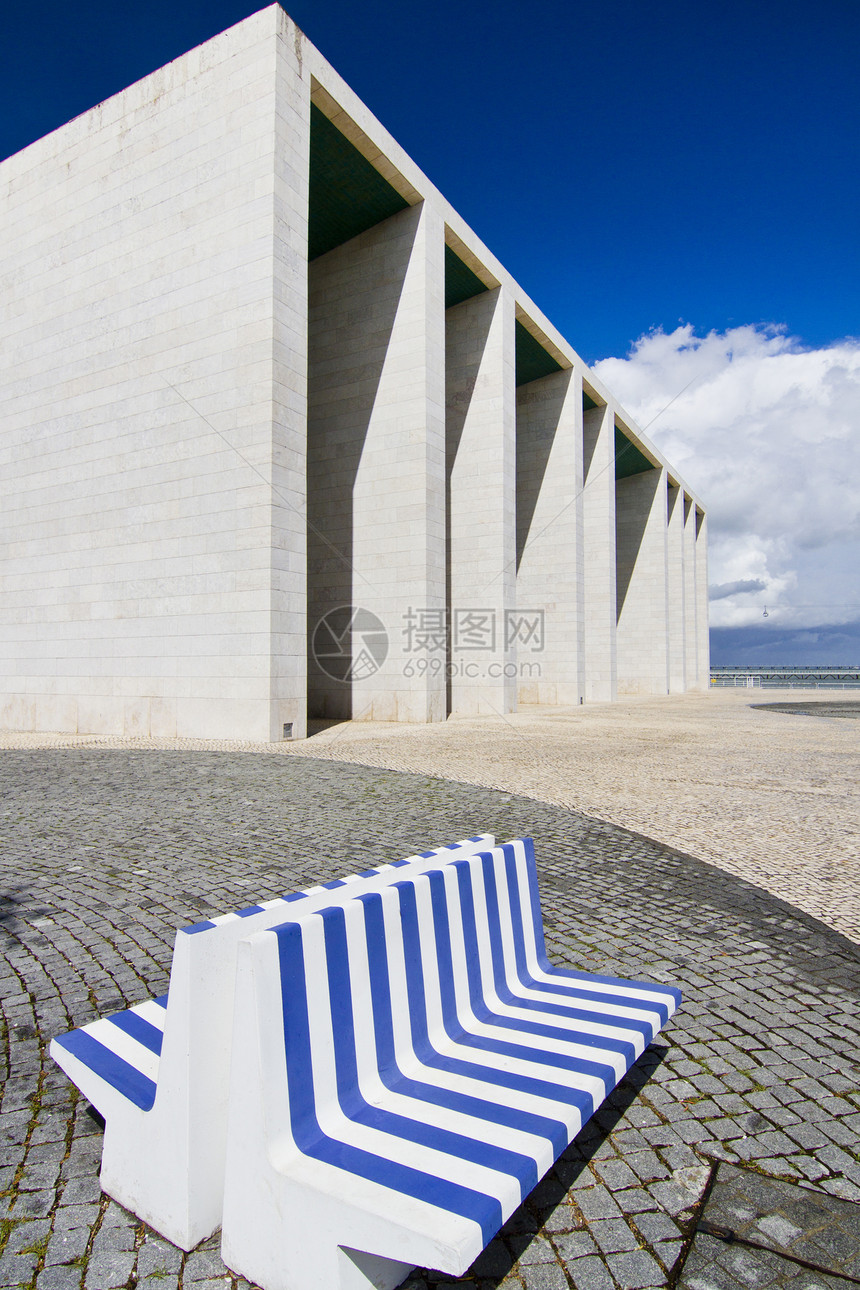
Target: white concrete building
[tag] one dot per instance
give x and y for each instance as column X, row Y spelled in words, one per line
column 254, row 370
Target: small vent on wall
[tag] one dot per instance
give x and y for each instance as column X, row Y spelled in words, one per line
column 288, row 729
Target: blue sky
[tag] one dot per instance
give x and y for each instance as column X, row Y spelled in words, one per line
column 684, row 169
column 633, row 165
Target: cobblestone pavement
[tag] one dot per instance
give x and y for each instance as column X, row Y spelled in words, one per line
column 770, row 797
column 754, row 1224
column 104, row 852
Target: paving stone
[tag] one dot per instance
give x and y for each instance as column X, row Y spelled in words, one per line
column 635, row 1270
column 683, row 1190
column 538, row 1250
column 81, row 1190
column 561, row 1219
column 113, row 1238
column 32, row 1204
column 64, row 1246
column 156, row 1257
column 543, row 1276
column 575, row 1245
column 841, row 1132
column 115, row 1216
column 596, row 1203
column 17, row 1269
column 634, row 1200
column 647, row 1166
column 616, row 1174
column 668, row 1252
column 591, row 1274
column 66, row 1277
column 108, row 1270
column 26, row 1235
column 41, row 1176
column 613, row 1235
column 69, row 1216
column 202, row 1265
column 840, row 1187
column 656, row 1226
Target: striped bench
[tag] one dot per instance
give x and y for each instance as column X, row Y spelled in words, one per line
column 406, row 1068
column 158, row 1073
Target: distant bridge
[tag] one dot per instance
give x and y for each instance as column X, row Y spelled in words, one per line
column 801, row 678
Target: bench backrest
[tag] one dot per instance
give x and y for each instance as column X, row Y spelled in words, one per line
column 199, row 1018
column 355, row 993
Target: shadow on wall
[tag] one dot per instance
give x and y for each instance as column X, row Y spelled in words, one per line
column 633, row 499
column 471, row 320
column 354, row 295
column 534, row 446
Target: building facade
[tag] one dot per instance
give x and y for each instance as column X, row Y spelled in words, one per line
column 280, row 437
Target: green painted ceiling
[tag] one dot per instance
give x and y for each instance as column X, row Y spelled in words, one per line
column 533, row 361
column 347, row 194
column 460, row 282
column 628, row 459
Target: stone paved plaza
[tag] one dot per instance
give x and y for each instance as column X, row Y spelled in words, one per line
column 105, row 851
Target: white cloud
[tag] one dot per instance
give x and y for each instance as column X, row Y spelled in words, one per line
column 768, row 434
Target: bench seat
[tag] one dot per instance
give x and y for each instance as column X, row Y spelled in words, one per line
column 407, row 1066
column 122, row 1050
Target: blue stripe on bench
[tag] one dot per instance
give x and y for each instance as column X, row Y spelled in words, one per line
column 392, row 1076
column 113, row 1069
column 506, row 1048
column 138, row 1087
column 357, row 1108
column 143, row 1031
column 644, row 1027
column 310, row 1138
column 424, row 1050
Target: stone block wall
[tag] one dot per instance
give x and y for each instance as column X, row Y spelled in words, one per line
column 138, row 254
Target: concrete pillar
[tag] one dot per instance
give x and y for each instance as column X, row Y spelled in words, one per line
column 642, row 583
column 288, row 674
column 703, row 645
column 481, row 419
column 550, row 556
column 676, row 590
column 376, row 470
column 598, row 509
column 691, row 665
